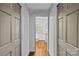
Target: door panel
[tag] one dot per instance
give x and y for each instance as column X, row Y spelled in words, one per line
column 60, row 29
column 60, row 49
column 60, row 14
column 8, row 54
column 6, row 7
column 67, row 54
column 72, row 29
column 16, row 10
column 17, row 50
column 17, row 28
column 10, row 40
column 69, row 43
column 4, row 28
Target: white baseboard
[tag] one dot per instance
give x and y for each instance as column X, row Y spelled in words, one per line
column 50, row 54
column 27, row 53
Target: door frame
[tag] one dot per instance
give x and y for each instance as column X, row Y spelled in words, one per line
column 35, row 31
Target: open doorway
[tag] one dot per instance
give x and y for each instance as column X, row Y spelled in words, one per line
column 41, row 24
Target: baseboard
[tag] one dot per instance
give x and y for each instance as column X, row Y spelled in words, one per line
column 50, row 54
column 27, row 53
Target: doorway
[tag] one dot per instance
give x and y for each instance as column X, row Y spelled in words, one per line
column 41, row 33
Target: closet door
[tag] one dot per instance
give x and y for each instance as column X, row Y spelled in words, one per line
column 68, row 41
column 9, row 30
column 16, row 29
column 5, row 32
column 60, row 29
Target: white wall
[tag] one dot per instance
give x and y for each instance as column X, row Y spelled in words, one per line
column 32, row 33
column 25, row 29
column 39, row 12
column 53, row 30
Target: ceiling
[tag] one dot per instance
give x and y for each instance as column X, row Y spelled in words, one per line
column 39, row 5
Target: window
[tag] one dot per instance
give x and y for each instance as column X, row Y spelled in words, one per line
column 41, row 27
column 41, row 24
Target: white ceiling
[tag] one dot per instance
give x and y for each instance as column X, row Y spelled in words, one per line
column 39, row 5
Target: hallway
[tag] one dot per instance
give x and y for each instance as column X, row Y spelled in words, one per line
column 40, row 24
column 39, row 29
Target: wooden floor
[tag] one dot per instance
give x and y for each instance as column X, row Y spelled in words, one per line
column 31, row 53
column 34, row 54
column 41, row 49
